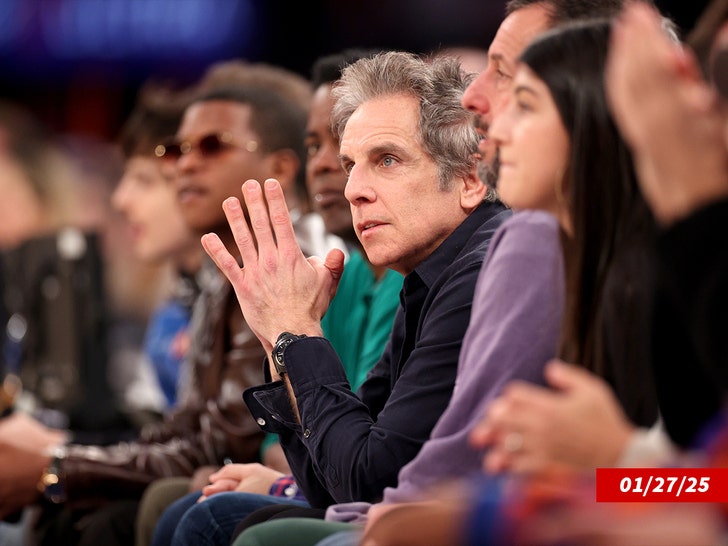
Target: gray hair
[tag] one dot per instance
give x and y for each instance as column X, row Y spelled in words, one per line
column 446, row 130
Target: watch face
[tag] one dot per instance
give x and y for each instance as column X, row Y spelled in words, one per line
column 284, row 340
column 278, row 354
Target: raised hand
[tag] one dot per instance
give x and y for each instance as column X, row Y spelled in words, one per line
column 278, row 288
column 668, row 114
column 578, row 424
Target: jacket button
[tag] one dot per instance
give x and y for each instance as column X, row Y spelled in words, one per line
column 261, row 421
column 306, row 433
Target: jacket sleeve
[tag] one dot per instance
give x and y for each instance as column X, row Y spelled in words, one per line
column 212, row 424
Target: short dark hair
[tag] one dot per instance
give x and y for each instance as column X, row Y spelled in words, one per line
column 154, row 119
column 564, row 11
column 278, row 122
column 279, row 100
column 241, row 73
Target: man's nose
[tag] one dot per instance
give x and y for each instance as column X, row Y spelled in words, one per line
column 357, row 189
column 475, row 97
column 188, row 161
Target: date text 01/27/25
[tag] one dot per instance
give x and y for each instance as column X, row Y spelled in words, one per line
column 662, row 485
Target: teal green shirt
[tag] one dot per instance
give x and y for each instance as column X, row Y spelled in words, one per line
column 359, row 320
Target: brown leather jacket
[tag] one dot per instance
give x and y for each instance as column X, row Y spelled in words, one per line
column 212, row 422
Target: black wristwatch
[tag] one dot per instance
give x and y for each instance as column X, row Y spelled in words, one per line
column 51, row 482
column 283, row 341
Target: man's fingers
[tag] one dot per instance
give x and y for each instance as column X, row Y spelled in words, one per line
column 259, row 223
column 235, row 471
column 222, row 258
column 280, row 219
column 219, row 486
column 482, row 435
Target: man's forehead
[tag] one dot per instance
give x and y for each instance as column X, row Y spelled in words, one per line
column 517, row 31
column 389, row 118
column 215, row 115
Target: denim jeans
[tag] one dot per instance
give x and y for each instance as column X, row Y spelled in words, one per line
column 211, row 522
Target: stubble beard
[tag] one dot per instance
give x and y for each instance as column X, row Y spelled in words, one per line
column 488, row 172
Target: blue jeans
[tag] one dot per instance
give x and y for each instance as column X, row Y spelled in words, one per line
column 211, row 522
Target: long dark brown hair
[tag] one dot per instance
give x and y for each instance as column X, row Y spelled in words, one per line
column 608, row 259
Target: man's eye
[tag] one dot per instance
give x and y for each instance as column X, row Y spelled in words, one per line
column 347, row 167
column 388, row 161
column 502, row 74
column 312, row 149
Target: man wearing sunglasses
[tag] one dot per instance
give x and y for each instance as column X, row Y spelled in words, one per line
column 226, row 136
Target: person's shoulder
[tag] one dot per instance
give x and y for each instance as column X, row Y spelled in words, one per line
column 493, row 214
column 526, row 234
column 530, row 229
column 531, row 220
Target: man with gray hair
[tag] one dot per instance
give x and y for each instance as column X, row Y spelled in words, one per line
column 410, row 152
column 532, row 311
column 408, row 149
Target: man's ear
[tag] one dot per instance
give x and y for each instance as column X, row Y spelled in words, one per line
column 472, row 191
column 284, row 166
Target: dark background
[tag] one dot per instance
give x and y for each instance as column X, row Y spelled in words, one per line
column 78, row 63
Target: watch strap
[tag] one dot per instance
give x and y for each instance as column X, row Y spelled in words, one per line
column 51, row 481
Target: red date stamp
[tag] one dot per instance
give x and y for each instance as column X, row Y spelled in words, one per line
column 662, row 485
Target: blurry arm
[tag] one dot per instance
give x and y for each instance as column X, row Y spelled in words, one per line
column 669, row 116
column 577, row 424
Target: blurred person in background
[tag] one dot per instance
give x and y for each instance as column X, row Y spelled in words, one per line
column 55, row 290
column 147, row 197
column 58, row 314
column 225, row 136
column 133, row 286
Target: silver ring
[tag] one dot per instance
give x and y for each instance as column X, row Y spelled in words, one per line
column 513, row 442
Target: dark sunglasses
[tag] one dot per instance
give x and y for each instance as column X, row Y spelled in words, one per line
column 208, row 146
